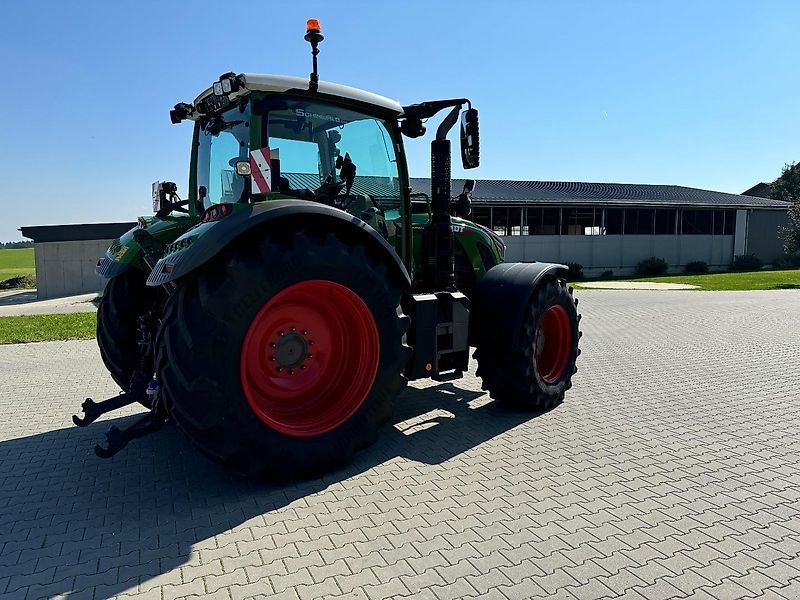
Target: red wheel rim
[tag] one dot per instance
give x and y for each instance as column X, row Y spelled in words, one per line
column 553, row 343
column 310, row 358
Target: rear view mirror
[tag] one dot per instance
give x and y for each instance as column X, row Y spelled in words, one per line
column 163, row 192
column 470, row 139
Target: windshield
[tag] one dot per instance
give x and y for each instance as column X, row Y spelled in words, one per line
column 224, row 140
column 312, row 140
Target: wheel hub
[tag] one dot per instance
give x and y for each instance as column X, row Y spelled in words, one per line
column 290, row 350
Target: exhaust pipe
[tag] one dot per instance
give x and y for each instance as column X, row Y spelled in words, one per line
column 444, row 262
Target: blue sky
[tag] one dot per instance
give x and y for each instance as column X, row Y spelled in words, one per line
column 702, row 94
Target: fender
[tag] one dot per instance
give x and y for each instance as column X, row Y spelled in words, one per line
column 125, row 252
column 120, row 256
column 502, row 297
column 206, row 240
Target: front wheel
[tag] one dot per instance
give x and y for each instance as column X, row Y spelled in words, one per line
column 535, row 371
column 124, row 300
column 284, row 356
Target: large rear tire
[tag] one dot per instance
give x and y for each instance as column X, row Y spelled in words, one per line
column 534, row 373
column 125, row 298
column 284, row 356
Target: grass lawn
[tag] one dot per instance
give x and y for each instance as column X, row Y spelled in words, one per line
column 755, row 280
column 16, row 263
column 44, row 328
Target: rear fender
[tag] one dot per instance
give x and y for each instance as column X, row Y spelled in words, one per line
column 502, row 297
column 200, row 244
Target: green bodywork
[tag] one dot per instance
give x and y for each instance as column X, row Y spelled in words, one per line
column 125, row 252
column 476, row 249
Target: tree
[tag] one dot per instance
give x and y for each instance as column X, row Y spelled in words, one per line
column 787, row 188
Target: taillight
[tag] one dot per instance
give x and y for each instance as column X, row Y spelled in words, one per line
column 215, row 212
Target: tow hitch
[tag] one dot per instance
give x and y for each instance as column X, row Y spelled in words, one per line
column 116, row 438
column 94, row 410
column 142, row 390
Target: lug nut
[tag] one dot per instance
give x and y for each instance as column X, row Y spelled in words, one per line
column 292, row 329
column 291, row 371
column 304, row 332
column 280, row 370
column 281, row 334
column 309, row 356
column 272, row 344
column 273, row 359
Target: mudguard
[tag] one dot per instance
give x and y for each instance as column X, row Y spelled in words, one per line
column 502, row 297
column 206, row 240
column 125, row 252
column 121, row 254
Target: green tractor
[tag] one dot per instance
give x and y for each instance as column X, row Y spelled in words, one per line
column 275, row 313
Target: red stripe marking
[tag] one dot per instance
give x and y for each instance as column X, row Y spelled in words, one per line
column 255, row 172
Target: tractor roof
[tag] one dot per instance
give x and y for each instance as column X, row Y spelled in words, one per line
column 285, row 83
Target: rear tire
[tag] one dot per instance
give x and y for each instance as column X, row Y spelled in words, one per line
column 227, row 330
column 534, row 374
column 125, row 298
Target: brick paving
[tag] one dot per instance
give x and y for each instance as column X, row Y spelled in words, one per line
column 671, row 471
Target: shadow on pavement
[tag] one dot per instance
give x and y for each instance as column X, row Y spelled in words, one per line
column 81, row 527
column 13, row 297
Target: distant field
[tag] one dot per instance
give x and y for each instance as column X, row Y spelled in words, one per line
column 14, row 263
column 17, row 268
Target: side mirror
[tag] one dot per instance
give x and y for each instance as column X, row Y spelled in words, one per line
column 163, row 192
column 470, row 139
column 463, row 206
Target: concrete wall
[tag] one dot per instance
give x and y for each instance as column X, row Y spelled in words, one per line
column 67, row 268
column 762, row 233
column 620, row 253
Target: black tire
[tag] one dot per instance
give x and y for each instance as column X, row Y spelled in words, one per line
column 125, row 298
column 200, row 345
column 512, row 374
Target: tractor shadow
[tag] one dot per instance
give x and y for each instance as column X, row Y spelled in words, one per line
column 75, row 526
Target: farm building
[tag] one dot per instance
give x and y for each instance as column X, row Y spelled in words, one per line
column 612, row 226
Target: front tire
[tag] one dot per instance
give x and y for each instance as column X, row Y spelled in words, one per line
column 125, row 298
column 284, row 356
column 534, row 373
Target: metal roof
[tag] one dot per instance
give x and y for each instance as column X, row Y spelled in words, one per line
column 69, row 233
column 285, row 83
column 503, row 191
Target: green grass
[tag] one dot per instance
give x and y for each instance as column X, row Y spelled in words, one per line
column 45, row 328
column 16, row 263
column 750, row 280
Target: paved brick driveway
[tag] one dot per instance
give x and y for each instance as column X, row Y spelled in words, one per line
column 673, row 469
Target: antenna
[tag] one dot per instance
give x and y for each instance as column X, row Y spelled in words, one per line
column 314, row 37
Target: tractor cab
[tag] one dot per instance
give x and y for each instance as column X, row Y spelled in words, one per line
column 273, row 144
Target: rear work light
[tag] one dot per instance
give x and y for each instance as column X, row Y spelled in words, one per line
column 216, row 212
